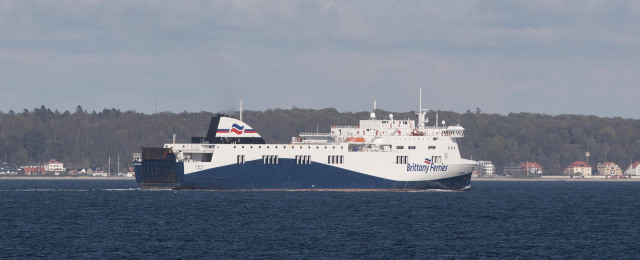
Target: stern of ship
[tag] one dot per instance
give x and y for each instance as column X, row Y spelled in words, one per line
column 157, row 168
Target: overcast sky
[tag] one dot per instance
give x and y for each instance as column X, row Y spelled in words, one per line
column 554, row 57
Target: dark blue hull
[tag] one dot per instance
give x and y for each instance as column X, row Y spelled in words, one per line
column 255, row 175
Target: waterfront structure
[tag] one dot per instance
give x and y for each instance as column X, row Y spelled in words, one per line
column 512, row 169
column 609, row 168
column 8, row 169
column 32, row 169
column 578, row 168
column 522, row 169
column 634, row 169
column 531, row 168
column 54, row 166
column 485, row 168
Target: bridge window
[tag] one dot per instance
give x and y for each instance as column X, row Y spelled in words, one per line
column 412, row 147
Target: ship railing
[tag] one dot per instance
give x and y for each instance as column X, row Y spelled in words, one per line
column 315, row 134
column 345, row 126
column 435, row 127
column 302, row 140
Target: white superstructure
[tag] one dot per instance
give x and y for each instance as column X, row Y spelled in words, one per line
column 394, row 150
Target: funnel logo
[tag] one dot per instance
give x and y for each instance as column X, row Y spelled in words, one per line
column 427, row 160
column 237, row 129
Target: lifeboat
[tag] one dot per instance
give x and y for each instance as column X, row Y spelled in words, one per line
column 416, row 132
column 355, row 140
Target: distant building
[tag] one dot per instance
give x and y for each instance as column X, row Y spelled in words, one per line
column 634, row 169
column 131, row 173
column 609, row 168
column 578, row 168
column 100, row 174
column 531, row 168
column 32, row 169
column 511, row 169
column 8, row 169
column 54, row 166
column 485, row 168
column 522, row 169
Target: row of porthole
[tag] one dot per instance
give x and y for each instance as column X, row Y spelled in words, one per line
column 284, row 147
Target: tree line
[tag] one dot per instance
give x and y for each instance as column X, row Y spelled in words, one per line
column 83, row 139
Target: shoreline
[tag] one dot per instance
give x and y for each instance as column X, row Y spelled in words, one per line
column 548, row 178
column 64, row 178
column 556, row 178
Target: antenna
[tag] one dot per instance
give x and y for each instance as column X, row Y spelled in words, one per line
column 373, row 113
column 241, row 109
column 420, row 103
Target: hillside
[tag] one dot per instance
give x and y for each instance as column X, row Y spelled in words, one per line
column 82, row 139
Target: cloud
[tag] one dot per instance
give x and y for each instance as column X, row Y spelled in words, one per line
column 502, row 56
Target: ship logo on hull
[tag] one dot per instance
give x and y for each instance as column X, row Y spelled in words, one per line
column 427, row 167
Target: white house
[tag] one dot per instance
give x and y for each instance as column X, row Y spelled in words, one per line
column 54, row 166
column 634, row 169
column 487, row 167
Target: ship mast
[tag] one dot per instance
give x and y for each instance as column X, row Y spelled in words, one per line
column 421, row 112
column 241, row 110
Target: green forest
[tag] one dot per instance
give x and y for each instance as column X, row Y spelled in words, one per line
column 83, row 139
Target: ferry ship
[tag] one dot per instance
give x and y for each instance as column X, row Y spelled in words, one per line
column 377, row 154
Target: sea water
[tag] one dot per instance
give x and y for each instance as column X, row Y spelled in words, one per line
column 516, row 219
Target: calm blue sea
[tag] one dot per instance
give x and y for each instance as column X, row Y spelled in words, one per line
column 113, row 219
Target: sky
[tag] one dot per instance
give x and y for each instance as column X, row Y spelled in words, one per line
column 552, row 57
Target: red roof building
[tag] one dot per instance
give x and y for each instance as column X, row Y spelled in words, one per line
column 578, row 168
column 32, row 169
column 531, row 168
